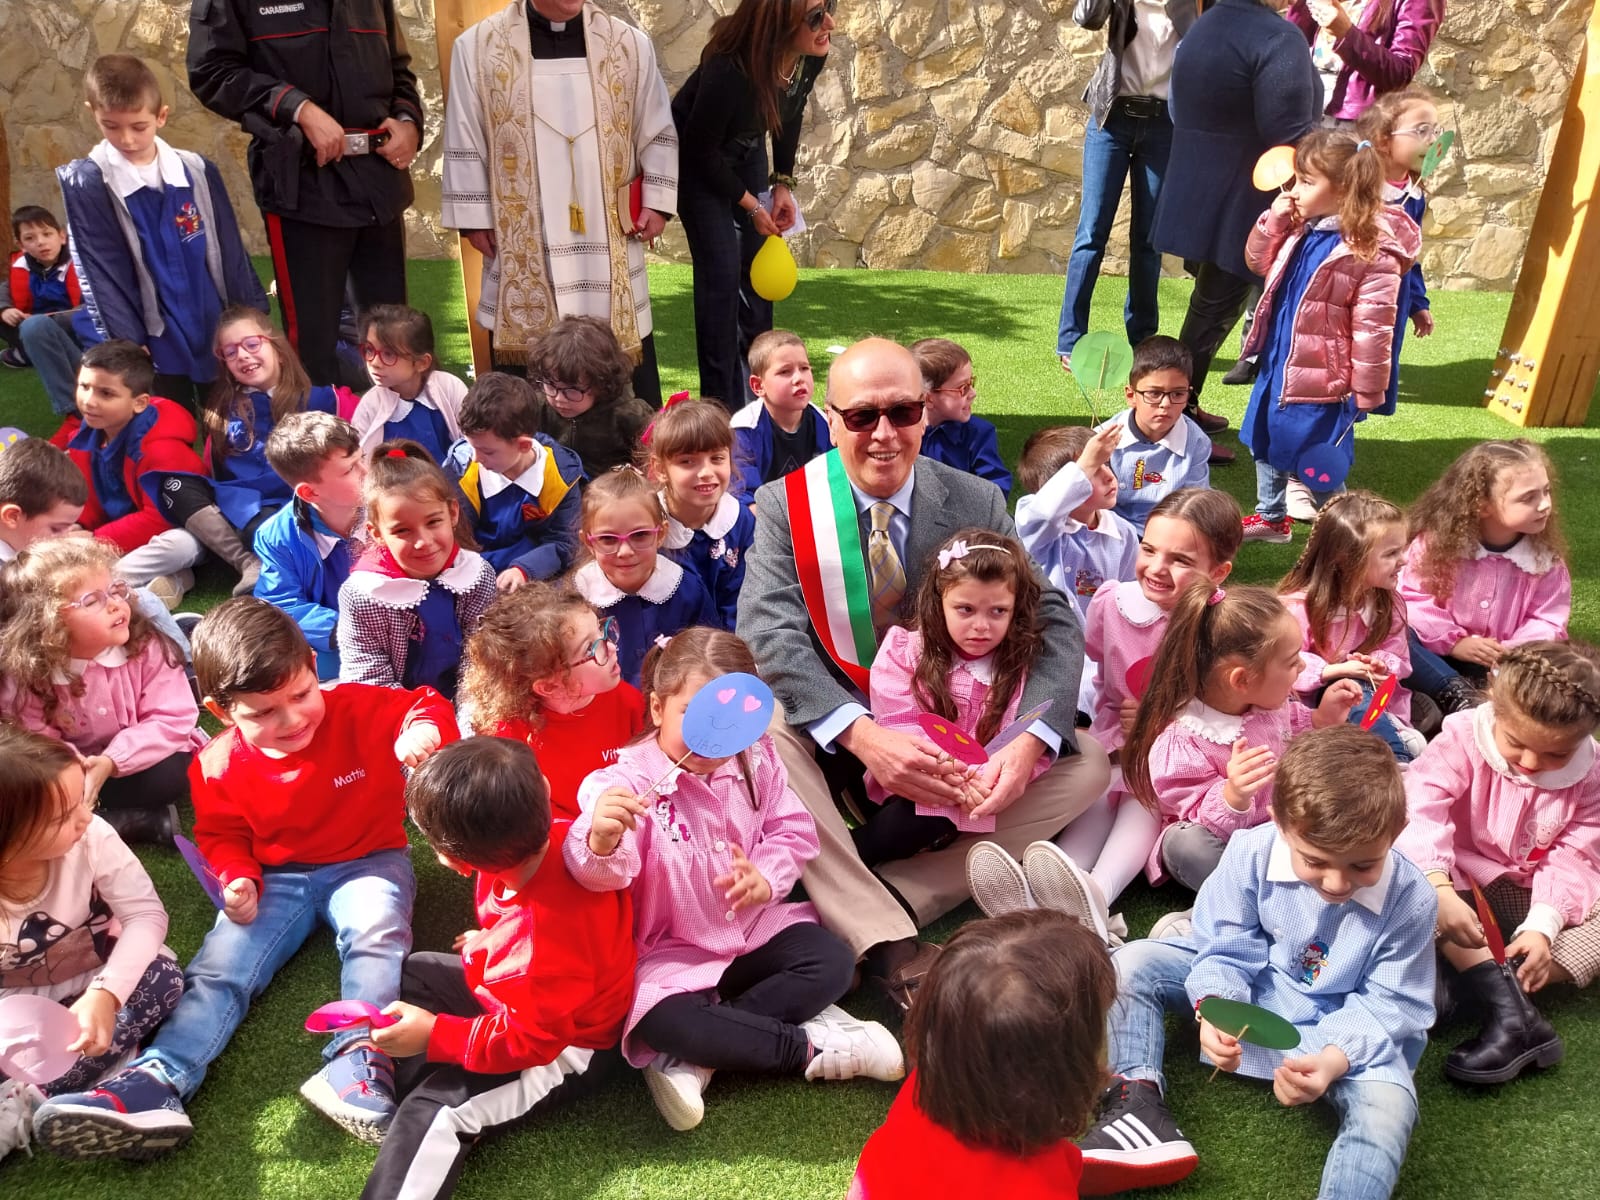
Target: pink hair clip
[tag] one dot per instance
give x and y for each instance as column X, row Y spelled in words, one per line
column 1216, row 597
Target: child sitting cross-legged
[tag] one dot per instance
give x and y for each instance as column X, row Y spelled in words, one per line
column 953, row 435
column 1317, row 918
column 308, row 546
column 529, row 1011
column 298, row 810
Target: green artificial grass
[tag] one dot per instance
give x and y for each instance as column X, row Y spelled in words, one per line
column 788, row 1140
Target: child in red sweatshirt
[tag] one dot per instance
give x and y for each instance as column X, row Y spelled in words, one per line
column 299, row 812
column 534, row 1004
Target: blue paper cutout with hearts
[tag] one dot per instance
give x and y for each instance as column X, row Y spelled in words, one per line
column 1325, row 468
column 727, row 715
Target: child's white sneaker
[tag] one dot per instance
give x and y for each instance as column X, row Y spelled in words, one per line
column 678, row 1088
column 844, row 1048
column 1413, row 741
column 996, row 881
column 1059, row 883
column 18, row 1100
column 1173, row 927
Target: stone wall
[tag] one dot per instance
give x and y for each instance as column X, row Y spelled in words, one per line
column 945, row 133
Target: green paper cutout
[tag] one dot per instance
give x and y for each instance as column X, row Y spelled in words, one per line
column 1099, row 361
column 1436, row 153
column 1261, row 1026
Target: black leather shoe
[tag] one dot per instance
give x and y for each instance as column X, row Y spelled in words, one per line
column 151, row 826
column 1242, row 372
column 1457, row 696
column 1514, row 1037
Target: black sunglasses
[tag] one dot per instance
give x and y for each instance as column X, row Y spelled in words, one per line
column 865, row 420
column 815, row 17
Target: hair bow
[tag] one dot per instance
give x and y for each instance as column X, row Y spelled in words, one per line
column 957, row 550
column 395, row 452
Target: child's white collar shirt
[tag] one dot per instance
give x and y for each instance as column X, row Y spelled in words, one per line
column 723, row 518
column 1075, row 557
column 124, row 178
column 491, row 483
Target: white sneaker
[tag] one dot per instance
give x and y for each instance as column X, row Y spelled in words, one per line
column 1173, row 927
column 678, row 1088
column 1059, row 883
column 996, row 881
column 17, row 1103
column 1301, row 506
column 171, row 589
column 844, row 1048
column 1411, row 740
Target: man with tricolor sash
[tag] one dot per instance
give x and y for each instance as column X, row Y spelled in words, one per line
column 839, row 545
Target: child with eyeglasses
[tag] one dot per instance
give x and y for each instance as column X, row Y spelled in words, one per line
column 954, row 436
column 522, row 488
column 1161, row 450
column 542, row 669
column 589, row 405
column 627, row 577
column 78, row 662
column 410, row 396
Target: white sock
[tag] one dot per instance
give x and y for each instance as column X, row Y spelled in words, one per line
column 1084, row 838
column 1127, row 848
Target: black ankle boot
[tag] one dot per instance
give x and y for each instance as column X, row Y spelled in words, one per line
column 150, row 826
column 1457, row 696
column 1514, row 1035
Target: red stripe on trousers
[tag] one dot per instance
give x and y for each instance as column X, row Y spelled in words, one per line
column 280, row 269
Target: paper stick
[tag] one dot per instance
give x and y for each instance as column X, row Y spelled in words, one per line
column 1238, row 1037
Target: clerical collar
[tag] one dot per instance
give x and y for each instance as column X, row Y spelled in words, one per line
column 554, row 39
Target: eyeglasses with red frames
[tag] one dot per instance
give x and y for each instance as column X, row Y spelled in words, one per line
column 378, row 354
column 250, row 345
column 817, row 15
column 865, row 420
column 609, row 545
column 95, row 601
column 603, row 647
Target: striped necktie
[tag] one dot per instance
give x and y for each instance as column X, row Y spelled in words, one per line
column 888, row 581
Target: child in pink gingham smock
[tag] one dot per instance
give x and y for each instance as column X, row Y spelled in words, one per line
column 1516, row 595
column 1122, row 632
column 1507, row 799
column 730, row 974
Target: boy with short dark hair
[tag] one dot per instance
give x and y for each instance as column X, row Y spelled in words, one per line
column 124, row 441
column 41, row 283
column 1159, row 448
column 953, row 435
column 521, row 485
column 154, row 237
column 785, row 431
column 308, row 546
column 533, row 1005
column 298, row 812
column 1317, row 918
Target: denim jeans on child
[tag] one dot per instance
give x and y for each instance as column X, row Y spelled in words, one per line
column 1375, row 1118
column 1272, row 492
column 366, row 901
column 1125, row 146
column 54, row 351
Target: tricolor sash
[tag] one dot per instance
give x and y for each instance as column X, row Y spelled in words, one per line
column 826, row 528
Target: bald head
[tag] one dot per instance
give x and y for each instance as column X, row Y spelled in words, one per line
column 877, row 374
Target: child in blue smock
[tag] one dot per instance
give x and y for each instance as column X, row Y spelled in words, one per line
column 1315, row 917
column 1159, row 449
column 953, row 435
column 708, row 530
column 1333, row 255
column 410, row 396
column 627, row 578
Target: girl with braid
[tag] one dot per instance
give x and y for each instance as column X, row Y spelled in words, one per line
column 1507, row 798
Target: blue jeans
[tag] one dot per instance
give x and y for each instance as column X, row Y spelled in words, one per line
column 1272, row 492
column 1375, row 1117
column 1124, row 146
column 1430, row 672
column 1385, row 726
column 54, row 351
column 366, row 901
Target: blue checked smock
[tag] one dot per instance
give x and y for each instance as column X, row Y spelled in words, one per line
column 1356, row 975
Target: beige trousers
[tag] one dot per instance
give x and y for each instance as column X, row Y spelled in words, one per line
column 853, row 902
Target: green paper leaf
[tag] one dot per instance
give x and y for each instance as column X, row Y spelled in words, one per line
column 1261, row 1026
column 1101, row 360
column 1436, row 153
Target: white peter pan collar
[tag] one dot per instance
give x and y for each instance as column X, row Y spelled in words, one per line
column 599, row 591
column 981, row 669
column 1210, row 723
column 1135, row 607
column 123, row 178
column 1578, row 766
column 110, row 658
column 1280, row 869
column 1176, row 440
column 1523, row 554
column 722, row 521
column 491, row 483
column 405, row 592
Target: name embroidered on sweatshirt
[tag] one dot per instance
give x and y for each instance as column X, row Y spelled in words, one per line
column 340, row 780
column 278, row 10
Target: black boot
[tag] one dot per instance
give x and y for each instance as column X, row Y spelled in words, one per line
column 150, row 826
column 1446, row 991
column 1514, row 1035
column 1458, row 695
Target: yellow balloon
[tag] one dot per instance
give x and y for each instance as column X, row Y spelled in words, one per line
column 772, row 271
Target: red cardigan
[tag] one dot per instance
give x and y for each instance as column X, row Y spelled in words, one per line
column 911, row 1158
column 160, row 442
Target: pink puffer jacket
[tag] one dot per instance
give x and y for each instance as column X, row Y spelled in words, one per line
column 1343, row 331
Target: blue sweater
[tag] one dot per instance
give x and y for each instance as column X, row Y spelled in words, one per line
column 670, row 601
column 972, row 446
column 531, row 522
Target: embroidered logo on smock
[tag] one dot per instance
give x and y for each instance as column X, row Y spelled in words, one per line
column 188, row 222
column 1312, row 959
column 667, row 819
column 1142, row 476
column 532, row 512
column 1086, row 582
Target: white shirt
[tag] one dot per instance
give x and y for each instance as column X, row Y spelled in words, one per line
column 1147, row 62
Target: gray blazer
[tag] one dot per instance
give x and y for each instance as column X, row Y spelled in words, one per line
column 773, row 618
